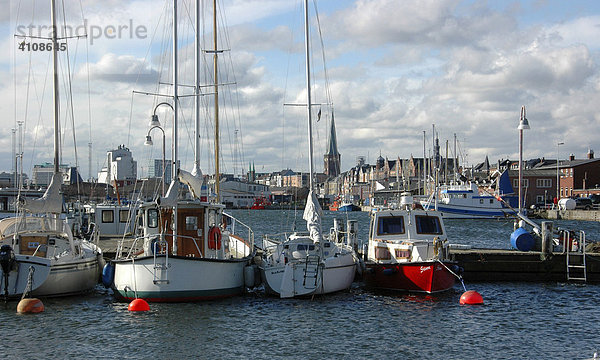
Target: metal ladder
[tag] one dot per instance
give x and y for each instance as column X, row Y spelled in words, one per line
column 311, row 271
column 162, row 266
column 576, row 266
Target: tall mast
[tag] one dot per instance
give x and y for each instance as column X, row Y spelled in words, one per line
column 174, row 167
column 215, row 57
column 196, row 170
column 308, row 101
column 55, row 85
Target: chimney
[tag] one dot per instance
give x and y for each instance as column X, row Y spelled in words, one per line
column 571, row 157
column 590, row 154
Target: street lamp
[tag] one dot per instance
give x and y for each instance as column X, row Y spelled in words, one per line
column 148, row 142
column 155, row 124
column 523, row 125
column 557, row 173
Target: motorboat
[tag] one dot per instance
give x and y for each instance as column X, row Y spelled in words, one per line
column 469, row 201
column 408, row 250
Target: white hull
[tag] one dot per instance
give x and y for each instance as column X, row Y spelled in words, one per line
column 70, row 278
column 18, row 278
column 298, row 278
column 183, row 279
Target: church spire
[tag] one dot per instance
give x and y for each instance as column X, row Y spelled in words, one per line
column 332, row 156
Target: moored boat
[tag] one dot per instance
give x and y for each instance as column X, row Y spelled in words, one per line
column 408, row 251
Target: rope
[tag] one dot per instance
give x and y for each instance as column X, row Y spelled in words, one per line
column 29, row 282
column 453, row 273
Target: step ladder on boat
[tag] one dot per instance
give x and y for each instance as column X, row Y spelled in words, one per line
column 576, row 266
column 311, row 271
column 160, row 268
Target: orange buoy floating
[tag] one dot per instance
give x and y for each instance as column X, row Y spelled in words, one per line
column 138, row 305
column 471, row 297
column 30, row 306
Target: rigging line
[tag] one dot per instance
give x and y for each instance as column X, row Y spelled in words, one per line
column 87, row 64
column 70, row 97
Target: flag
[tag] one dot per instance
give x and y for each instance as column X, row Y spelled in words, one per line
column 319, row 115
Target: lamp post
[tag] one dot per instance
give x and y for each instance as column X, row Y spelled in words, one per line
column 523, row 125
column 155, row 124
column 149, row 143
column 557, row 172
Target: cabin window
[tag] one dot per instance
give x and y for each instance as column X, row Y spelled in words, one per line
column 428, row 225
column 390, row 225
column 481, row 201
column 108, row 216
column 191, row 223
column 491, row 201
column 152, row 218
column 382, row 253
column 123, row 216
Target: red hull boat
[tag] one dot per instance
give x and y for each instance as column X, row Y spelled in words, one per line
column 428, row 277
column 408, row 250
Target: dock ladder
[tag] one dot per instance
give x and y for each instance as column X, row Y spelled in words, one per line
column 576, row 266
column 311, row 271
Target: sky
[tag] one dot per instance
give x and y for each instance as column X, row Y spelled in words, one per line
column 392, row 70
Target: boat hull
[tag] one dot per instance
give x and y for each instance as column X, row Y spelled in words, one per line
column 425, row 277
column 184, row 279
column 18, row 277
column 290, row 280
column 69, row 278
column 467, row 212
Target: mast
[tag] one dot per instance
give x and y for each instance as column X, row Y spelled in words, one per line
column 308, row 95
column 424, row 166
column 196, row 169
column 174, row 166
column 55, row 86
column 216, row 74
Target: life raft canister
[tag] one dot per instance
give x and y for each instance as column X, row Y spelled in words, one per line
column 214, row 238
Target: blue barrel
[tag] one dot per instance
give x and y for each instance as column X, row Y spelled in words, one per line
column 522, row 240
column 108, row 275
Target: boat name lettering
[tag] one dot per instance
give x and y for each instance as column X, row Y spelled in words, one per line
column 425, row 268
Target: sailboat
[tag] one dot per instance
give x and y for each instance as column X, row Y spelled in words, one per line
column 308, row 263
column 39, row 254
column 191, row 249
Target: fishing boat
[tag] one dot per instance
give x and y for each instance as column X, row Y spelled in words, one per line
column 468, row 201
column 44, row 253
column 190, row 249
column 343, row 204
column 408, row 250
column 308, row 263
column 260, row 203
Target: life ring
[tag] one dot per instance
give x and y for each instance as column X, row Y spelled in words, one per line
column 214, row 238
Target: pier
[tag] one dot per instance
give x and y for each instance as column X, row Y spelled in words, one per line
column 490, row 265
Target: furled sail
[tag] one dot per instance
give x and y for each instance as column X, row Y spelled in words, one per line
column 50, row 202
column 194, row 182
column 170, row 199
column 312, row 215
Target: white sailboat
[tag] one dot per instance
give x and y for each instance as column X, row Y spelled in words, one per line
column 191, row 249
column 308, row 263
column 39, row 253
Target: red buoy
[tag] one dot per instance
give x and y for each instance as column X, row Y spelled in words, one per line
column 30, row 306
column 471, row 297
column 138, row 305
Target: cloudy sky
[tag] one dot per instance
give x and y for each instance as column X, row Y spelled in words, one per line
column 393, row 68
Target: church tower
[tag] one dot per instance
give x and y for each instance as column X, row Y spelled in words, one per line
column 332, row 157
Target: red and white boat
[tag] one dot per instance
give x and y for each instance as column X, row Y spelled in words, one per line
column 408, row 251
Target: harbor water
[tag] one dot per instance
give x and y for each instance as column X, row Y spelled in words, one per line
column 517, row 320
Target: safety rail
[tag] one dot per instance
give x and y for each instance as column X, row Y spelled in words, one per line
column 232, row 222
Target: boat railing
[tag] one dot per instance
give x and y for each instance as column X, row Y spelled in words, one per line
column 271, row 241
column 245, row 233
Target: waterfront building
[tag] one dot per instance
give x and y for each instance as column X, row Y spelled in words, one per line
column 120, row 167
